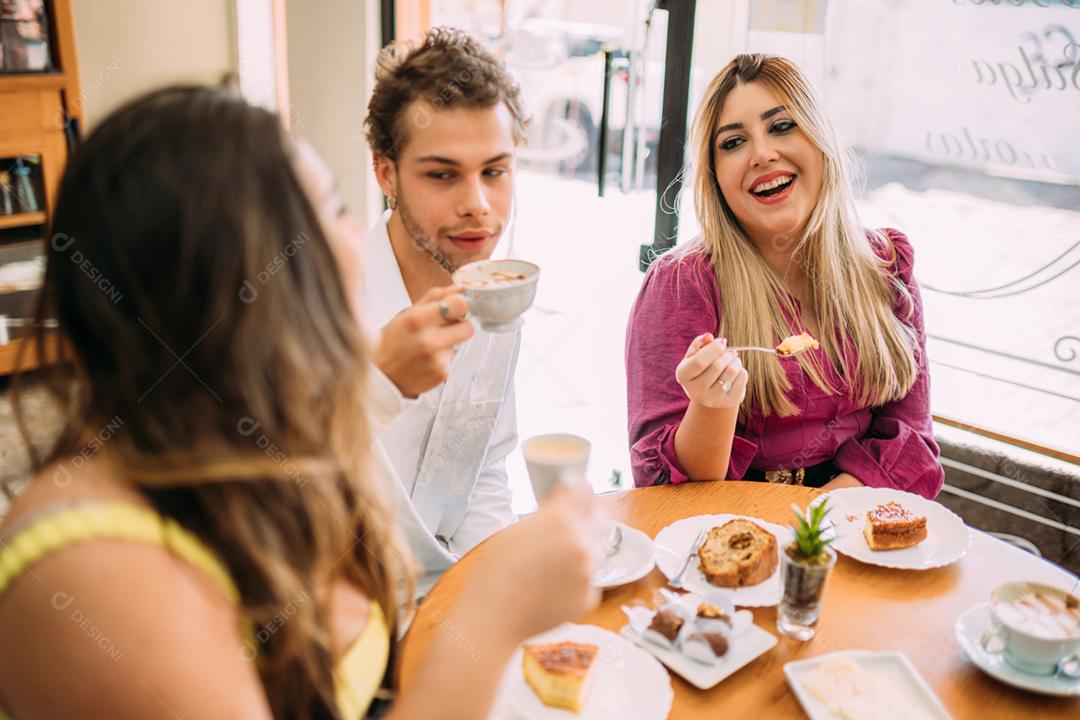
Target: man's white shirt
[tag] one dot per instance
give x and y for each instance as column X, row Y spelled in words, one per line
column 445, row 451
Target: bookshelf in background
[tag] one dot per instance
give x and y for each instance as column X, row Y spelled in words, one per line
column 40, row 121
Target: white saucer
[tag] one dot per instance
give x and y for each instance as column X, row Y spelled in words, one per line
column 673, row 543
column 634, row 560
column 969, row 629
column 947, row 537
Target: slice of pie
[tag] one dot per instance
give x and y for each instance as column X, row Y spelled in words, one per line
column 891, row 527
column 560, row 673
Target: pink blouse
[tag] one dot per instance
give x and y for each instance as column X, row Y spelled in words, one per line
column 891, row 445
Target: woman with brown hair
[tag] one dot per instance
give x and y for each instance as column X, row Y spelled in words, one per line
column 781, row 253
column 205, row 538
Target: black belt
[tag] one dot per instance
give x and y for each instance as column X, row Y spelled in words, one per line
column 813, row 476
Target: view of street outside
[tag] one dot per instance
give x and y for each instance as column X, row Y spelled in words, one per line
column 980, row 168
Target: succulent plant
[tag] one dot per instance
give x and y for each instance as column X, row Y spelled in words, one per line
column 809, row 544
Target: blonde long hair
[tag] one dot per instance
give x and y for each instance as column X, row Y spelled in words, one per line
column 851, row 287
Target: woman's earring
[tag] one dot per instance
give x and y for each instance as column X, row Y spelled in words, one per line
column 391, row 202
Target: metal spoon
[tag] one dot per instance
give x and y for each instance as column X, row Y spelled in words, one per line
column 1069, row 666
column 613, row 541
column 739, row 348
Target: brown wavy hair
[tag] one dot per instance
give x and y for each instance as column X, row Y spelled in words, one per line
column 204, row 320
column 447, row 68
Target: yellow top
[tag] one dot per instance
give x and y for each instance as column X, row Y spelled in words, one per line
column 357, row 675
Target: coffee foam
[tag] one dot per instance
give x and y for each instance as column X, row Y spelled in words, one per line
column 554, row 451
column 1041, row 614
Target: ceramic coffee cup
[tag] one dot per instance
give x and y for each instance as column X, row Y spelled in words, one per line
column 557, row 459
column 1039, row 625
column 498, row 291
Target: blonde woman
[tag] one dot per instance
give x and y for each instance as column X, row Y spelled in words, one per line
column 781, row 252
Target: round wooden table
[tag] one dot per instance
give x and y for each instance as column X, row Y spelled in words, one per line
column 864, row 607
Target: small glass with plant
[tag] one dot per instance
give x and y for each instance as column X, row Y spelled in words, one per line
column 804, row 567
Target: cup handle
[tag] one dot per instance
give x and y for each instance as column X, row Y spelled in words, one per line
column 992, row 641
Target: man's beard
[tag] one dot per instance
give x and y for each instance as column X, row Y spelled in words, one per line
column 423, row 241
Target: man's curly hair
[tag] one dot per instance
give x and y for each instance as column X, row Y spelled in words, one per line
column 447, row 69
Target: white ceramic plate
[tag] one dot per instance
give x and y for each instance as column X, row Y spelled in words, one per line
column 629, row 682
column 893, row 669
column 633, row 561
column 748, row 642
column 673, row 544
column 947, row 537
column 969, row 630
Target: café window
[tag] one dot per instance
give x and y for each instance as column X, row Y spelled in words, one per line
column 963, row 114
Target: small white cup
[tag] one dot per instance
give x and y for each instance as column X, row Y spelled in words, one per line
column 498, row 303
column 1028, row 651
column 557, row 459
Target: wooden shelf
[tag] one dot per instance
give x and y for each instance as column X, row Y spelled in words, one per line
column 22, row 220
column 32, row 81
column 9, row 352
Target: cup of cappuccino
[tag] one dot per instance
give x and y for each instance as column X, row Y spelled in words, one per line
column 498, row 291
column 557, row 459
column 1039, row 625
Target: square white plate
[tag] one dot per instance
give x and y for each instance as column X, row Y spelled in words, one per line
column 748, row 643
column 893, row 669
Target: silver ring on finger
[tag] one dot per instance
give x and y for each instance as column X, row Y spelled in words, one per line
column 444, row 310
column 725, row 385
